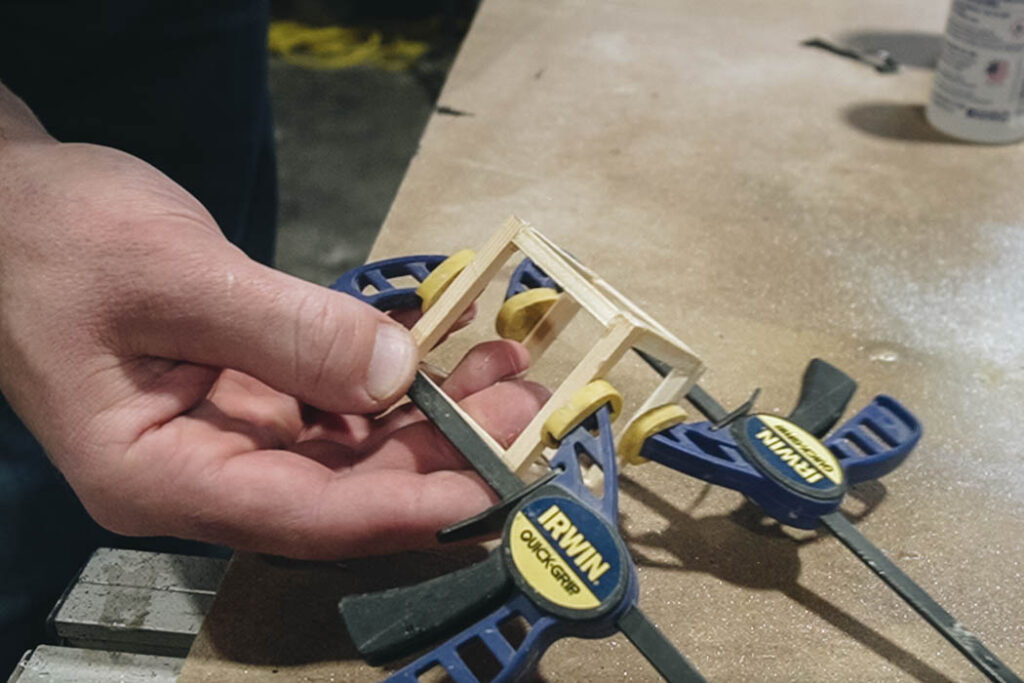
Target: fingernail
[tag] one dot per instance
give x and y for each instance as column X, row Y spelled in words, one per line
column 392, row 364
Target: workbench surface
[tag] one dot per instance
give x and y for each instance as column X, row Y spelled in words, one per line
column 768, row 203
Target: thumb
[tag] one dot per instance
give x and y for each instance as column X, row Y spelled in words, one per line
column 325, row 348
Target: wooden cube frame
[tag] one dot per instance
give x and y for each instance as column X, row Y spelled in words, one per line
column 625, row 326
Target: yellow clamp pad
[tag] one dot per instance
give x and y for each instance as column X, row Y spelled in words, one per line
column 644, row 427
column 521, row 313
column 435, row 284
column 582, row 404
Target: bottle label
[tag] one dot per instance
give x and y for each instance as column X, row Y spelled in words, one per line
column 980, row 74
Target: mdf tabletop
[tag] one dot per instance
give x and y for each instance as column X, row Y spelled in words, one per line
column 768, row 203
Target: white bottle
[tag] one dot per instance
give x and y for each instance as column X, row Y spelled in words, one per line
column 978, row 93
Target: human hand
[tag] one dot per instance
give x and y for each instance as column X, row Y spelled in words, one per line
column 185, row 390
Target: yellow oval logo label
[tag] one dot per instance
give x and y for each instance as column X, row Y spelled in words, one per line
column 794, row 452
column 564, row 552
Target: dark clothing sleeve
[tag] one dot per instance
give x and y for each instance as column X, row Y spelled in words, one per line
column 181, row 84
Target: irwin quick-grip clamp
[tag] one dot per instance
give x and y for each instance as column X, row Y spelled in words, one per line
column 782, row 465
column 561, row 570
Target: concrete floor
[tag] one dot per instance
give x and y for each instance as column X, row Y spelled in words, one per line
column 344, row 141
column 345, row 137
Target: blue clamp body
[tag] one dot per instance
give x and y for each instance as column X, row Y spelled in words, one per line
column 372, row 283
column 871, row 444
column 528, row 275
